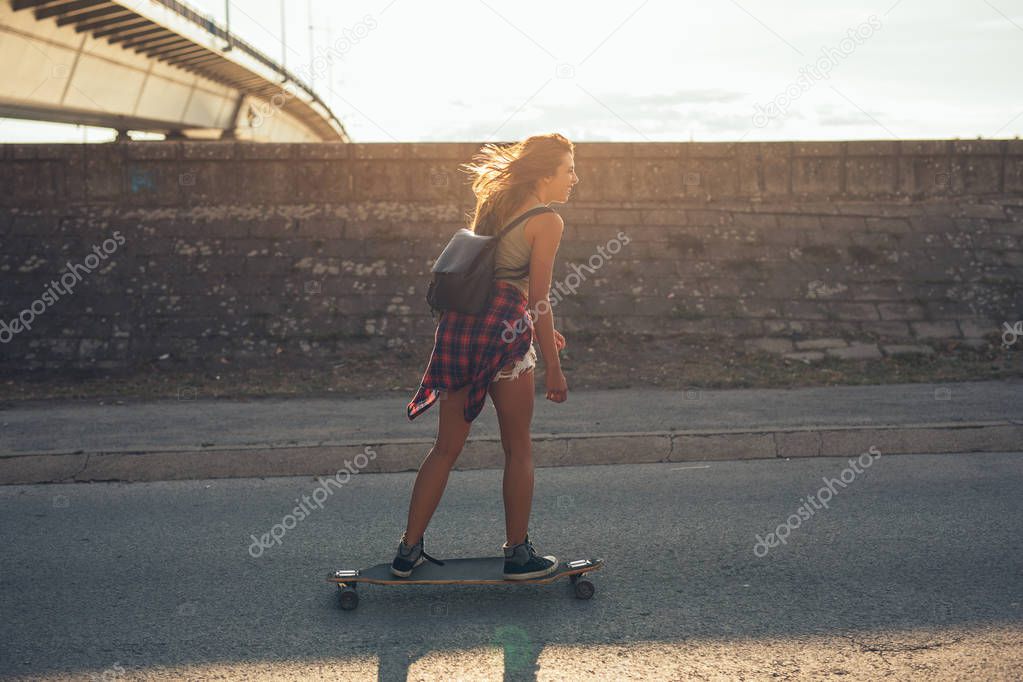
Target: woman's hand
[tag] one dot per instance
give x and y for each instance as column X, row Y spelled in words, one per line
column 559, row 340
column 557, row 386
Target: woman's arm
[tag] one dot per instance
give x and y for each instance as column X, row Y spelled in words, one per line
column 550, row 227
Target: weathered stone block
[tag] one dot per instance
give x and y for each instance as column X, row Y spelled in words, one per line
column 856, row 351
column 770, row 345
column 935, row 330
column 814, row 175
column 817, row 344
column 871, row 176
column 900, row 311
column 907, row 350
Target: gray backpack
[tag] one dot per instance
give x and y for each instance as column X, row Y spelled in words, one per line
column 463, row 276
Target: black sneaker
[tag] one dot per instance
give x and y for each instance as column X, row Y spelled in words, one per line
column 408, row 558
column 521, row 562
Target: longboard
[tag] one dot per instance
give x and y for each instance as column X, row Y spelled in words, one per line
column 472, row 571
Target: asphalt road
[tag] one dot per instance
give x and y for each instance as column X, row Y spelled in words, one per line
column 914, row 571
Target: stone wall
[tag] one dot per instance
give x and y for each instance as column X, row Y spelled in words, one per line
column 203, row 250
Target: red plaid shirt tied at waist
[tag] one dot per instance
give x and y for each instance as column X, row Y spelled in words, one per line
column 471, row 349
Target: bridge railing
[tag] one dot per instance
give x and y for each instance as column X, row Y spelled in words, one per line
column 206, row 22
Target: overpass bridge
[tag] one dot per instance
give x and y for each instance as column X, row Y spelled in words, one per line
column 150, row 65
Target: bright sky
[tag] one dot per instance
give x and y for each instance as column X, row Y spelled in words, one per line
column 645, row 70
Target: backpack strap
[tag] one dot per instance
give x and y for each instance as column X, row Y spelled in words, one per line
column 528, row 214
column 524, row 270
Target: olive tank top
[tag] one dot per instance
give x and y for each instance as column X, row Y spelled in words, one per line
column 513, row 253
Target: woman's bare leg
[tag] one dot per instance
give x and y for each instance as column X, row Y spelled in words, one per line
column 513, row 399
column 433, row 473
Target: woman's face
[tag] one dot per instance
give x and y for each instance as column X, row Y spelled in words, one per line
column 560, row 185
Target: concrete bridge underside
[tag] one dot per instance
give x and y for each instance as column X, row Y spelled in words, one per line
column 149, row 65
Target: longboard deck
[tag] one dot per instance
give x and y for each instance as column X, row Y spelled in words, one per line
column 472, row 571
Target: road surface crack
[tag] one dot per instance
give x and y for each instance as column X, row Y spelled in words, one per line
column 896, row 648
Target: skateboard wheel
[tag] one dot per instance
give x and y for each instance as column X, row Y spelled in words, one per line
column 584, row 589
column 349, row 598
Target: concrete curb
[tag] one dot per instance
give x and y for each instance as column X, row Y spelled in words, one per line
column 565, row 449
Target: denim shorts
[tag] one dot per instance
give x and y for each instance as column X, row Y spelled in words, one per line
column 524, row 363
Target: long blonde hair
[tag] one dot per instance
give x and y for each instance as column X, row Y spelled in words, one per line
column 505, row 176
